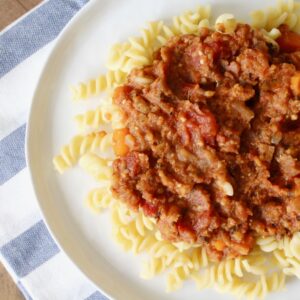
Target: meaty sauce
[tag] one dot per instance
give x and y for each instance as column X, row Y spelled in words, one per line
column 216, row 141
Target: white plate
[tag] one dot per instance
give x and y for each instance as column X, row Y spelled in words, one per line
column 79, row 55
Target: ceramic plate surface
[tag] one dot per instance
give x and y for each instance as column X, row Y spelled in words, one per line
column 80, row 55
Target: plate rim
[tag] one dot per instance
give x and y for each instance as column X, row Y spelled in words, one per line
column 28, row 137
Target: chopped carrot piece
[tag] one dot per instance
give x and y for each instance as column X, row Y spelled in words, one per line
column 101, row 133
column 120, row 134
column 295, row 84
column 119, row 143
column 219, row 245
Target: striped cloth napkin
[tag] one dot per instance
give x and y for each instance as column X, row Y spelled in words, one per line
column 27, row 250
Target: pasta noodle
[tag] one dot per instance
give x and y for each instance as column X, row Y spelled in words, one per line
column 226, row 21
column 99, row 198
column 190, row 22
column 96, row 166
column 275, row 282
column 238, row 286
column 95, row 86
column 285, row 12
column 92, row 119
column 134, row 231
column 116, row 58
column 152, row 267
column 267, row 244
column 199, row 258
column 143, row 224
column 78, row 146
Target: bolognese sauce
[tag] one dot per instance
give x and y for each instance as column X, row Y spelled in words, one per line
column 214, row 139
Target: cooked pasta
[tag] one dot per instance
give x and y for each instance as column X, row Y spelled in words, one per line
column 116, row 116
column 92, row 119
column 96, row 166
column 94, row 87
column 143, row 224
column 176, row 278
column 190, row 22
column 78, row 146
column 285, row 12
column 152, row 267
column 280, row 258
column 268, row 244
column 99, row 198
column 295, row 245
column 165, row 34
column 205, row 279
column 289, row 246
column 226, row 23
column 275, row 282
column 199, row 258
column 116, row 58
column 272, row 35
column 255, row 266
column 226, row 272
column 238, row 286
column 268, row 264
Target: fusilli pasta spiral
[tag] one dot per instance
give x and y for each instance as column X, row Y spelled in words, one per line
column 152, row 267
column 226, row 23
column 96, row 166
column 99, row 198
column 285, row 12
column 190, row 22
column 79, row 145
column 91, row 119
column 102, row 83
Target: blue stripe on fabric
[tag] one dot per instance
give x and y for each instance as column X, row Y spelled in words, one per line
column 96, row 296
column 29, row 250
column 12, row 155
column 24, row 291
column 34, row 31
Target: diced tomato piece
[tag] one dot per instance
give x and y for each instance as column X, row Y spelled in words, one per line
column 149, row 209
column 121, row 93
column 186, row 231
column 289, row 41
column 205, row 122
